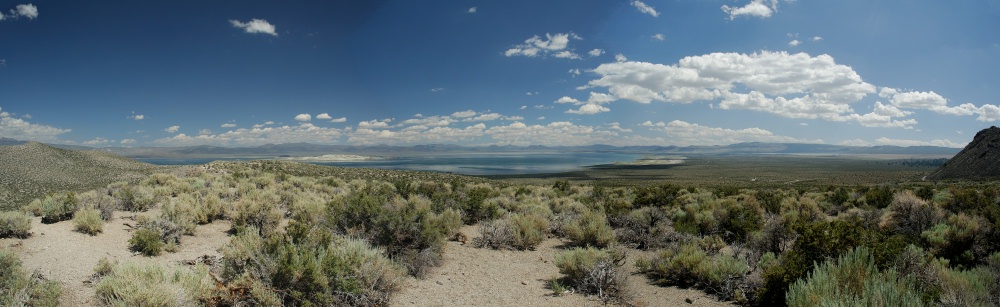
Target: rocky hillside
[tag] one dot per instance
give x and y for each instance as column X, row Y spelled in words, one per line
column 980, row 160
column 30, row 170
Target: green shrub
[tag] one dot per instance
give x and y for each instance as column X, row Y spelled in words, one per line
column 134, row 285
column 974, row 287
column 14, row 224
column 853, row 280
column 89, row 221
column 315, row 269
column 147, row 242
column 56, row 208
column 589, row 229
column 675, row 266
column 133, row 198
column 646, row 228
column 594, row 271
column 516, row 231
column 911, row 215
column 17, row 288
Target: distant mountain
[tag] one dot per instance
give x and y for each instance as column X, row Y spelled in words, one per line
column 307, row 149
column 30, row 170
column 979, row 160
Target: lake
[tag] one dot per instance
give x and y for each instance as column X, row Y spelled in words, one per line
column 466, row 163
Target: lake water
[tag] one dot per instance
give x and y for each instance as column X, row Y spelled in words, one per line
column 469, row 164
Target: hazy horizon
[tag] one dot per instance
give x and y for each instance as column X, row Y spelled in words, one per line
column 557, row 73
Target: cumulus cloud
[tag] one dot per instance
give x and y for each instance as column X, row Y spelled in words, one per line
column 856, row 142
column 645, row 9
column 127, row 142
column 934, row 102
column 228, row 125
column 620, row 58
column 596, row 52
column 575, row 72
column 255, row 26
column 472, row 10
column 589, row 109
column 339, row 120
column 20, row 129
column 789, row 85
column 684, row 133
column 204, row 131
column 817, row 38
column 136, row 116
column 303, row 117
column 99, row 141
column 324, row 116
column 756, row 8
column 553, row 44
column 22, row 10
column 464, row 114
column 304, row 132
column 659, row 37
column 172, row 129
column 794, row 43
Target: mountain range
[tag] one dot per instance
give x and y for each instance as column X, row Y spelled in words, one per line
column 308, row 149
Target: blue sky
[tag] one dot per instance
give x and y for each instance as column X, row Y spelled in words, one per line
column 244, row 73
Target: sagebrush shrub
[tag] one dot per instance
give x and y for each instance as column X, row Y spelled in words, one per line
column 516, row 231
column 134, row 285
column 14, row 224
column 853, row 279
column 89, row 221
column 18, row 288
column 589, row 229
column 147, row 242
column 594, row 271
column 56, row 208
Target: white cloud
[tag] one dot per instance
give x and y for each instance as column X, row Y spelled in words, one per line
column 464, row 114
column 339, row 120
column 172, row 129
column 472, row 10
column 228, row 125
column 620, row 58
column 905, row 143
column 303, row 117
column 684, row 133
column 789, row 85
column 575, row 72
column 552, row 44
column 99, row 141
column 794, row 43
column 596, row 52
column 659, row 37
column 255, row 26
column 523, row 107
column 817, row 38
column 567, row 99
column 589, row 109
column 27, row 10
column 437, row 89
column 269, row 122
column 204, row 132
column 756, row 8
column 936, row 103
column 22, row 130
column 645, row 9
column 137, row 116
column 304, row 132
column 374, row 124
column 324, row 116
column 127, row 142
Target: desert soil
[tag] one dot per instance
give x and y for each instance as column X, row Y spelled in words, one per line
column 468, row 276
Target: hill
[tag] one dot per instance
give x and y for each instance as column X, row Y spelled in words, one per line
column 30, row 170
column 980, row 160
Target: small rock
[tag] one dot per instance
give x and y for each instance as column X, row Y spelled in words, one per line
column 688, row 300
column 439, row 282
column 524, row 282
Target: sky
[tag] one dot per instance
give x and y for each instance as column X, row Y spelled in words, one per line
column 577, row 72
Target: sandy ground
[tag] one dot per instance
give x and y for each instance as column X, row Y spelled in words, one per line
column 67, row 256
column 469, row 276
column 473, row 276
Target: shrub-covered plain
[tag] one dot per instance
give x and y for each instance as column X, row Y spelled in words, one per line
column 305, row 234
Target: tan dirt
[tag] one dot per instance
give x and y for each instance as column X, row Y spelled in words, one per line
column 468, row 276
column 473, row 276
